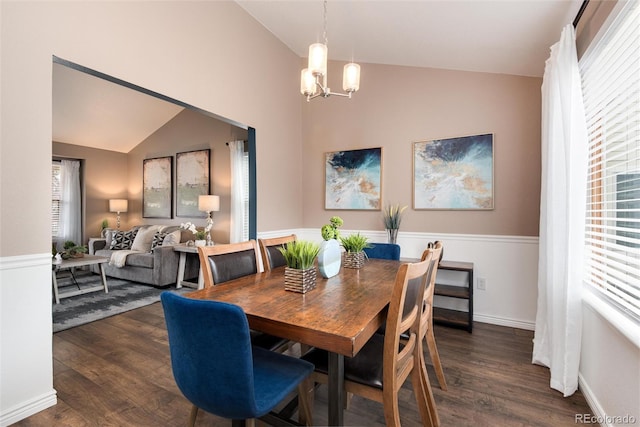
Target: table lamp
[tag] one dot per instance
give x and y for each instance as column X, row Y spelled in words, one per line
column 209, row 204
column 118, row 205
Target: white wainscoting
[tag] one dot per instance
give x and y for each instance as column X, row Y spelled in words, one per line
column 509, row 264
column 26, row 362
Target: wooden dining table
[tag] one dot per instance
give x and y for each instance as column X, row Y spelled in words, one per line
column 339, row 315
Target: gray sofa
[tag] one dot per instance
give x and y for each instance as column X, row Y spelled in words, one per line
column 158, row 268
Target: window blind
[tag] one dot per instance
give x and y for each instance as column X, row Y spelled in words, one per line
column 610, row 72
column 55, row 198
column 245, row 195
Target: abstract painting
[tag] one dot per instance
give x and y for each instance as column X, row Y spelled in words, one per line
column 454, row 173
column 192, row 176
column 157, row 187
column 352, row 179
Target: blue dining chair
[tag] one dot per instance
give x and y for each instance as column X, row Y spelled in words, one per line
column 216, row 367
column 383, row 251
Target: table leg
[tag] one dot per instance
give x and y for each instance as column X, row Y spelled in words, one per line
column 104, row 278
column 54, row 281
column 181, row 266
column 336, row 389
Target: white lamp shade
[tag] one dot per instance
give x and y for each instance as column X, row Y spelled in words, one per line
column 351, row 77
column 209, row 203
column 307, row 83
column 118, row 205
column 318, row 59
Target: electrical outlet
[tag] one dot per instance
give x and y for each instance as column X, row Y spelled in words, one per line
column 482, row 283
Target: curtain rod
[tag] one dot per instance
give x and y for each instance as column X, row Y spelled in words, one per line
column 580, row 12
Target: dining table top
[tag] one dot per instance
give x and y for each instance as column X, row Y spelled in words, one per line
column 339, row 315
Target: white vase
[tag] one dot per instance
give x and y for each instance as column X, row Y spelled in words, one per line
column 201, row 243
column 329, row 258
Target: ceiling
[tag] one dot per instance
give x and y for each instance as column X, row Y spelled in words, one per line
column 497, row 36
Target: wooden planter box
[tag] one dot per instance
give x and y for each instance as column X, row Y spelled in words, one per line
column 300, row 281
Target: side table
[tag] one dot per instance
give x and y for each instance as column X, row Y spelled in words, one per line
column 184, row 250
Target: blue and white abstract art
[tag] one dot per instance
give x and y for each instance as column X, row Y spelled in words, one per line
column 454, row 173
column 352, row 179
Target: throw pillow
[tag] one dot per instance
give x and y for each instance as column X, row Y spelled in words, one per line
column 158, row 239
column 172, row 238
column 143, row 239
column 121, row 240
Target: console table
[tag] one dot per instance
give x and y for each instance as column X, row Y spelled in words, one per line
column 449, row 317
column 68, row 264
column 184, row 250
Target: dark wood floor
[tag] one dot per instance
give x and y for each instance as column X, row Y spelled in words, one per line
column 117, row 372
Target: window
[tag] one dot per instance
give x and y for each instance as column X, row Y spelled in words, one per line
column 55, row 198
column 610, row 72
column 245, row 196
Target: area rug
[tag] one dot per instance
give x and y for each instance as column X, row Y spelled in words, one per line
column 123, row 296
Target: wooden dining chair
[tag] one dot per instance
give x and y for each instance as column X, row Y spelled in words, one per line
column 382, row 366
column 218, row 370
column 271, row 256
column 426, row 326
column 222, row 263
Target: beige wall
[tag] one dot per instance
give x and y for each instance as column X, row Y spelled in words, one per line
column 105, row 175
column 225, row 74
column 399, row 105
column 188, row 131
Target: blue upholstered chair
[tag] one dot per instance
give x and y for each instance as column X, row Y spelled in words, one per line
column 216, row 367
column 383, row 251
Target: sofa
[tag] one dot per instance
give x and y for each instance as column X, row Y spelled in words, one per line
column 144, row 254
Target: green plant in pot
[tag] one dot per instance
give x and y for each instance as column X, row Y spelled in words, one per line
column 71, row 250
column 354, row 245
column 392, row 217
column 300, row 272
column 103, row 226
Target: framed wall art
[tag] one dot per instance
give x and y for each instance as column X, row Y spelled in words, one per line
column 192, row 180
column 454, row 173
column 157, row 187
column 353, row 179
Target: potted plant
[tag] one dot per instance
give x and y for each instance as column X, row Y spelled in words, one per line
column 354, row 245
column 71, row 250
column 103, row 228
column 201, row 235
column 392, row 217
column 300, row 272
column 330, row 256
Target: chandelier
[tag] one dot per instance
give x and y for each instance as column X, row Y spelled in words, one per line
column 313, row 79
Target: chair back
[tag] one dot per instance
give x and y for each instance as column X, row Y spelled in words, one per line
column 211, row 355
column 221, row 263
column 383, row 251
column 403, row 322
column 435, row 252
column 271, row 256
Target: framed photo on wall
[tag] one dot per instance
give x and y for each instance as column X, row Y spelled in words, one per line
column 192, row 180
column 157, row 187
column 453, row 173
column 353, row 179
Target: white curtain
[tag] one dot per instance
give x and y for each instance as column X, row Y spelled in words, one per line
column 70, row 203
column 238, row 184
column 558, row 330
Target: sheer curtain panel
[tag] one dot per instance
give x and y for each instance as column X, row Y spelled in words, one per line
column 557, row 337
column 238, row 192
column 70, row 203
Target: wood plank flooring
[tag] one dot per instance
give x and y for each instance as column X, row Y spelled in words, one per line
column 117, row 372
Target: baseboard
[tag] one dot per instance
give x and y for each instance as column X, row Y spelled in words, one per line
column 29, row 408
column 500, row 321
column 592, row 401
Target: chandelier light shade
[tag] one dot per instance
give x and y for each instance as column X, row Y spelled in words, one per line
column 313, row 80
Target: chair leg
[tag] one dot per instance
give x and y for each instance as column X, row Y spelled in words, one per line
column 435, row 359
column 193, row 415
column 391, row 409
column 306, row 391
column 427, row 393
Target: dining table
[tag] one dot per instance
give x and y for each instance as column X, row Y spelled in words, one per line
column 340, row 315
